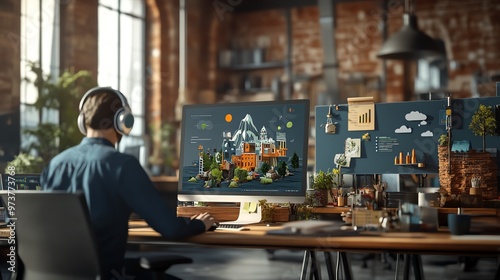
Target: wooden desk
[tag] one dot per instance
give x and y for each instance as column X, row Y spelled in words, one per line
column 411, row 244
column 440, row 243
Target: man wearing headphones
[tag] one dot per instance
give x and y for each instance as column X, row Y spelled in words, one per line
column 115, row 184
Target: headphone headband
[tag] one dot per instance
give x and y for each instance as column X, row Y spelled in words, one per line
column 91, row 91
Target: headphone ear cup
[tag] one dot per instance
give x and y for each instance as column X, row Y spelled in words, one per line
column 81, row 124
column 124, row 121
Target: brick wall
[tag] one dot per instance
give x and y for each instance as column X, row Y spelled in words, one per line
column 9, row 80
column 79, row 35
column 456, row 179
column 468, row 29
column 10, row 31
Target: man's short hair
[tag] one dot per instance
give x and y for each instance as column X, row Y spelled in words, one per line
column 99, row 109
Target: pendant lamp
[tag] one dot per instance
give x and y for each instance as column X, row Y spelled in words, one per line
column 411, row 43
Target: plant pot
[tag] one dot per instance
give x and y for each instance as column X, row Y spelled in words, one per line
column 156, row 169
column 475, row 191
column 318, row 197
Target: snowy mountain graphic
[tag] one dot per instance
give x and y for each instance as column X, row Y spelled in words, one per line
column 247, row 132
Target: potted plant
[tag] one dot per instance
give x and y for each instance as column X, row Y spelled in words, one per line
column 268, row 210
column 322, row 184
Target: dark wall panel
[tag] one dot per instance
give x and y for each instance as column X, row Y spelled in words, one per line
column 391, row 116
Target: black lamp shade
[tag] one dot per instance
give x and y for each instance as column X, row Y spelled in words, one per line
column 411, row 43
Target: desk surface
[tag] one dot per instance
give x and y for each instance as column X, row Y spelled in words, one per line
column 229, row 213
column 440, row 243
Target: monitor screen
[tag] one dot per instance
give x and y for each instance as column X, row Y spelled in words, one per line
column 21, row 182
column 244, row 152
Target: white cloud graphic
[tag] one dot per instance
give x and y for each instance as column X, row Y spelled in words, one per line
column 403, row 129
column 415, row 116
column 423, row 123
column 428, row 133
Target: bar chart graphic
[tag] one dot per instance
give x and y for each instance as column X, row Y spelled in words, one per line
column 365, row 117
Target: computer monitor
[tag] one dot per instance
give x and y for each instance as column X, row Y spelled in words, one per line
column 20, row 182
column 242, row 140
column 15, row 182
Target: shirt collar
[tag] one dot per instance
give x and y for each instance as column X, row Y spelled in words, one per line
column 101, row 141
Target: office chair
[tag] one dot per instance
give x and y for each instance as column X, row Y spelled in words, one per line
column 55, row 240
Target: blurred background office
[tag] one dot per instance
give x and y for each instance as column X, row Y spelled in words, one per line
column 163, row 54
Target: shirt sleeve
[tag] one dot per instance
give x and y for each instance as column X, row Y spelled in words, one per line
column 143, row 198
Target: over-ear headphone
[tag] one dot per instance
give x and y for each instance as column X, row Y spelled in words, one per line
column 123, row 120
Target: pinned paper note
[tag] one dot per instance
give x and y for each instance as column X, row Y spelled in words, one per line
column 250, row 207
column 361, row 114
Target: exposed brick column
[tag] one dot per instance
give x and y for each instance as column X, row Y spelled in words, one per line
column 10, row 34
column 79, row 35
column 153, row 75
column 10, row 30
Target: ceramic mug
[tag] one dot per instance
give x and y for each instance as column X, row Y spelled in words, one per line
column 459, row 224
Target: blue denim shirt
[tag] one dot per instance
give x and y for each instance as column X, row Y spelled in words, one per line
column 115, row 184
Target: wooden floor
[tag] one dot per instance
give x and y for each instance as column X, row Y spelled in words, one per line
column 255, row 264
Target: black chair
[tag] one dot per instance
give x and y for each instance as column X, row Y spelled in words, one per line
column 55, row 240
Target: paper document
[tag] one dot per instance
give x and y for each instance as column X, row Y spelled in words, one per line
column 361, row 114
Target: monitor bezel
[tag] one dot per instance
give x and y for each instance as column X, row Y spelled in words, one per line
column 299, row 197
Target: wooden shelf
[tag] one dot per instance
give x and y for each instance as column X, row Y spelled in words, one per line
column 255, row 90
column 254, row 66
column 418, row 164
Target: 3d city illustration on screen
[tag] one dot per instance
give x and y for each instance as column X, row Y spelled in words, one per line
column 233, row 155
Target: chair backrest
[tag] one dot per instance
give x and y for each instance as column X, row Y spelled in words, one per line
column 54, row 236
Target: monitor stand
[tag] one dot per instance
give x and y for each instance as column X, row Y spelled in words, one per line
column 250, row 213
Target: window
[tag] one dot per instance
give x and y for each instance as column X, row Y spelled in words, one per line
column 39, row 44
column 121, row 58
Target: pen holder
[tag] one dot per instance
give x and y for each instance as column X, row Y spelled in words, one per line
column 379, row 200
column 341, row 201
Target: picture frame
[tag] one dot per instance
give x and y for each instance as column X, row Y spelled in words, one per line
column 352, row 147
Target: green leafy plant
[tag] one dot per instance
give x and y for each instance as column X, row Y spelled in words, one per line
column 25, row 163
column 264, row 168
column 62, row 94
column 216, row 173
column 241, row 174
column 323, row 180
column 483, row 123
column 443, row 140
column 306, row 212
column 268, row 210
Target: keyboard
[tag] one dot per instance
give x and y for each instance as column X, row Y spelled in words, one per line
column 236, row 227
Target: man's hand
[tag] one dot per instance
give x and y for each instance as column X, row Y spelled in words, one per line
column 206, row 218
